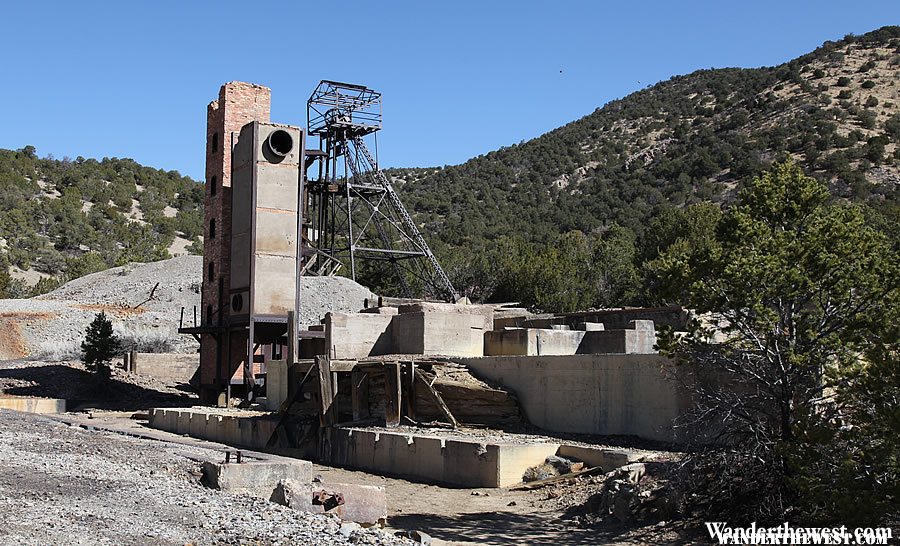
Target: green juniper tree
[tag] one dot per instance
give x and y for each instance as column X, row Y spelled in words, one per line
column 796, row 286
column 100, row 345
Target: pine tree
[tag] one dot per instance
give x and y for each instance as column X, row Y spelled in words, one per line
column 100, row 345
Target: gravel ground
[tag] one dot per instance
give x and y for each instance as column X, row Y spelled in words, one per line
column 61, row 484
column 51, row 327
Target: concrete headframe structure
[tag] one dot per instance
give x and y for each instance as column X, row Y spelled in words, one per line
column 254, row 180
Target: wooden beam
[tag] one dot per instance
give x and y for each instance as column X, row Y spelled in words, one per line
column 411, row 390
column 436, row 397
column 326, row 391
column 393, row 394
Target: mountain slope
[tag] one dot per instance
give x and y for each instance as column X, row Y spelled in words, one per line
column 66, row 218
column 692, row 138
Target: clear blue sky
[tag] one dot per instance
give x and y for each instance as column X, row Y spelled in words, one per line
column 131, row 78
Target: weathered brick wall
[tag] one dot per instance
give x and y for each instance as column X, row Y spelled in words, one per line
column 239, row 103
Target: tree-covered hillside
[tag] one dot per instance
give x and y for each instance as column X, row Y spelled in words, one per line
column 690, row 139
column 66, row 218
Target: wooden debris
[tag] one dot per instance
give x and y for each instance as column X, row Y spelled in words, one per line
column 556, row 479
column 436, row 397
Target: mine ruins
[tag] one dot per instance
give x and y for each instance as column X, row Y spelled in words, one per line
column 419, row 390
column 424, row 389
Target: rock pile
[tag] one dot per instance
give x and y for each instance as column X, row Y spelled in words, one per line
column 144, row 302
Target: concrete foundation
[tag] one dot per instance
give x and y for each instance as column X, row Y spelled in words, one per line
column 30, row 404
column 420, row 328
column 454, row 462
column 433, row 459
column 640, row 395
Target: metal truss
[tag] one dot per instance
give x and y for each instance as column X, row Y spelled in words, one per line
column 353, row 213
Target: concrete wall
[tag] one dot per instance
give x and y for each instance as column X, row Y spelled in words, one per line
column 459, row 463
column 543, row 342
column 247, row 429
column 169, row 367
column 532, row 341
column 618, row 342
column 30, row 404
column 592, row 394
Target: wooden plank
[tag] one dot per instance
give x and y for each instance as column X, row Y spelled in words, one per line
column 411, row 390
column 556, row 479
column 326, row 392
column 343, row 365
column 359, row 394
column 436, row 397
column 393, row 395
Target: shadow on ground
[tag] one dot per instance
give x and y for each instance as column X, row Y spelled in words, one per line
column 535, row 529
column 83, row 389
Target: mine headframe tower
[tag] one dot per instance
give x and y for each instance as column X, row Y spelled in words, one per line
column 353, row 212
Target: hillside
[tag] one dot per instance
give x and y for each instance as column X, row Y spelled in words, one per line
column 690, row 139
column 67, row 218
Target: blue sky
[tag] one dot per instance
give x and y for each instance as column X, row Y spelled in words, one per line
column 460, row 78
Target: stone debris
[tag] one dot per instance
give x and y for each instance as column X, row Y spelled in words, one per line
column 69, row 485
column 552, row 466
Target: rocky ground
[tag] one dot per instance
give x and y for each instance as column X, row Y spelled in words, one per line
column 144, row 302
column 61, row 484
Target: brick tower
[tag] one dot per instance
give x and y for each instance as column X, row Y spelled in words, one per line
column 239, row 103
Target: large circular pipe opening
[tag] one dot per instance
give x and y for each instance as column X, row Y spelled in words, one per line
column 280, row 142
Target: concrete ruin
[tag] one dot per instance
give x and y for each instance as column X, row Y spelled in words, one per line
column 396, row 387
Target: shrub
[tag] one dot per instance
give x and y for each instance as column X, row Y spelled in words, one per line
column 843, row 81
column 868, row 84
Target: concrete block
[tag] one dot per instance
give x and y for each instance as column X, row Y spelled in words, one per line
column 366, row 504
column 590, row 326
column 357, row 335
column 436, row 332
column 643, row 325
column 257, row 478
column 532, row 341
column 606, row 458
column 640, row 341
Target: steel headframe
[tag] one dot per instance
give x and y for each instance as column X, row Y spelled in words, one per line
column 354, row 212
